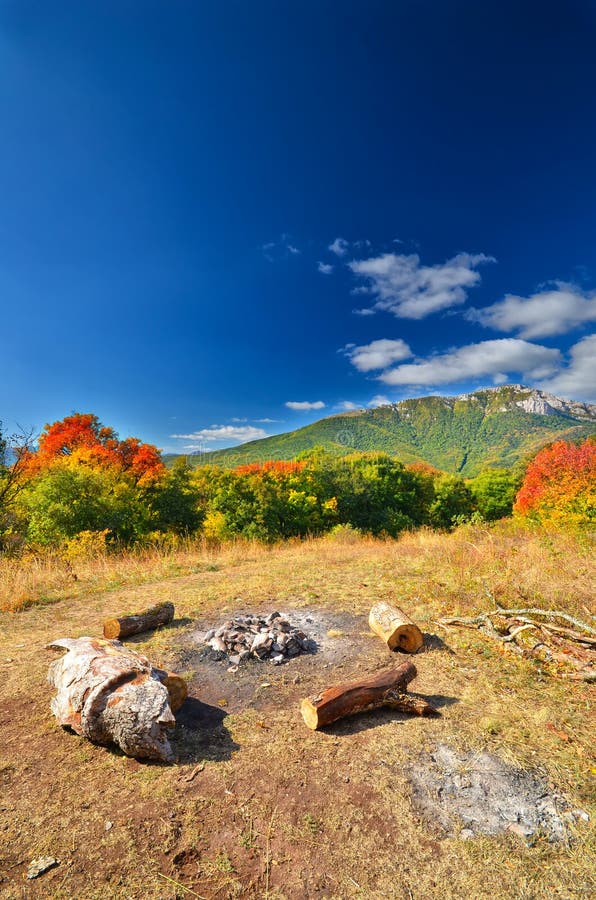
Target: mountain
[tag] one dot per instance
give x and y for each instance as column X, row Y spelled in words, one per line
column 495, row 427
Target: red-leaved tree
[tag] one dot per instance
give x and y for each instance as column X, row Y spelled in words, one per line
column 84, row 437
column 560, row 486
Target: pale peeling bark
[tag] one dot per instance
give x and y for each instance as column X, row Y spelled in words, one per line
column 396, row 628
column 107, row 692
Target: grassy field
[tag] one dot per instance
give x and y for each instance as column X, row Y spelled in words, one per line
column 257, row 805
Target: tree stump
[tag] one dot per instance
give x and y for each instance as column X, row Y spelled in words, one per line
column 397, row 630
column 106, row 693
column 387, row 688
column 124, row 626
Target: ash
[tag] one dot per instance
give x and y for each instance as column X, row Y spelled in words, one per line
column 270, row 637
column 467, row 794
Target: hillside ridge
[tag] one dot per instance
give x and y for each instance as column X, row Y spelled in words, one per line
column 492, row 427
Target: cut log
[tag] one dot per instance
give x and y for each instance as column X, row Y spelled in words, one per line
column 108, row 693
column 176, row 687
column 387, row 688
column 124, row 626
column 395, row 628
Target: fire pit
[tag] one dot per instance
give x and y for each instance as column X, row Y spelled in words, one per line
column 271, row 637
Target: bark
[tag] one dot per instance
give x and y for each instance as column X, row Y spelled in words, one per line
column 108, row 693
column 395, row 628
column 124, row 626
column 387, row 688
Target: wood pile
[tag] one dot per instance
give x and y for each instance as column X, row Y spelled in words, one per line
column 262, row 637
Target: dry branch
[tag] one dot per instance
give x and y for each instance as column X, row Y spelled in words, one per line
column 106, row 693
column 396, row 628
column 557, row 644
column 387, row 688
column 547, row 614
column 124, row 626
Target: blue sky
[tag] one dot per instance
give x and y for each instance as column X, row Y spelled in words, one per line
column 220, row 220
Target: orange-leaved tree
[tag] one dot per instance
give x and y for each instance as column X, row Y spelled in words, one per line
column 83, row 437
column 560, row 486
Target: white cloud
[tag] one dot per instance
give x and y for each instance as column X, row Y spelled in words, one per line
column 411, row 291
column 486, row 359
column 577, row 381
column 377, row 355
column 363, row 312
column 379, row 400
column 549, row 312
column 325, row 268
column 217, row 433
column 274, row 251
column 236, row 419
column 268, row 421
column 347, row 405
column 305, row 404
column 339, row 246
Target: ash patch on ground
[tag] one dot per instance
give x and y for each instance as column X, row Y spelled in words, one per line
column 338, row 641
column 467, row 794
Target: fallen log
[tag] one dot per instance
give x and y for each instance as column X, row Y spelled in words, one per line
column 397, row 630
column 124, row 626
column 108, row 693
column 387, row 688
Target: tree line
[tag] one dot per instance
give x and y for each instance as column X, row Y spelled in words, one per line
column 83, row 486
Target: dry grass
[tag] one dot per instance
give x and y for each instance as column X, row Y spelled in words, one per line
column 279, row 811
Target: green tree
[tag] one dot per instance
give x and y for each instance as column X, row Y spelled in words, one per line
column 452, row 502
column 494, row 492
column 175, row 500
column 66, row 499
column 375, row 494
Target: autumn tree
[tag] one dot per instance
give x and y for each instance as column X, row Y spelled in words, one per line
column 559, row 487
column 83, row 436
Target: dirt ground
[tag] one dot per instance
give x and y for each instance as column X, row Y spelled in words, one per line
column 258, row 805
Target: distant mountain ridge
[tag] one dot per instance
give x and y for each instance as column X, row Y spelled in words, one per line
column 493, row 427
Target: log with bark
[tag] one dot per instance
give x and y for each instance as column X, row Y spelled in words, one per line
column 387, row 688
column 108, row 693
column 396, row 628
column 124, row 626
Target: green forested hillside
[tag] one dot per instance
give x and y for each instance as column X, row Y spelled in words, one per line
column 497, row 427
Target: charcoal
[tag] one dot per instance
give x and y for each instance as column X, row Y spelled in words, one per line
column 262, row 637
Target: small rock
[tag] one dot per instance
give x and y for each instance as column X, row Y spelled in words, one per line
column 216, row 643
column 232, row 669
column 466, row 833
column 261, row 642
column 277, row 660
column 40, row 865
column 108, row 826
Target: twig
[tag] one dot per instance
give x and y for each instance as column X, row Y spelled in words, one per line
column 546, row 614
column 183, row 886
column 268, row 852
column 572, row 635
column 513, row 634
